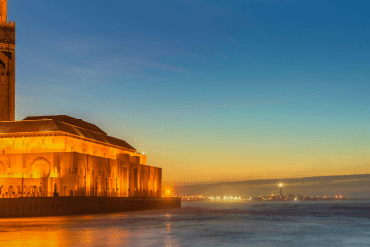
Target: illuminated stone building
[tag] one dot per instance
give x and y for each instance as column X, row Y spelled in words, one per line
column 62, row 155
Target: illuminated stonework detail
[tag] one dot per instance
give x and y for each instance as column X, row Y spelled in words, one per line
column 7, row 65
column 48, row 163
column 3, row 11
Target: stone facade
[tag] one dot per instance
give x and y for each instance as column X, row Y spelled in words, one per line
column 42, row 161
column 7, row 65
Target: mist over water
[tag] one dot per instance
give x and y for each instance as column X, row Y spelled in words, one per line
column 339, row 223
column 353, row 186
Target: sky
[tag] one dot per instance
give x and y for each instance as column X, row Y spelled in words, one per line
column 208, row 90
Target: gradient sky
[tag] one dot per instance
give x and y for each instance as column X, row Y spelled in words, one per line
column 209, row 90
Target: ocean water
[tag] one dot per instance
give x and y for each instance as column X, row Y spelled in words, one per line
column 340, row 223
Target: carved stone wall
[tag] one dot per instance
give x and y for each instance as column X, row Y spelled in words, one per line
column 7, row 65
column 41, row 164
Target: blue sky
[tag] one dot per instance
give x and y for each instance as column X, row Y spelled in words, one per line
column 209, row 90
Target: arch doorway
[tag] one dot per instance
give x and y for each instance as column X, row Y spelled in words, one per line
column 11, row 191
column 34, row 191
column 40, row 168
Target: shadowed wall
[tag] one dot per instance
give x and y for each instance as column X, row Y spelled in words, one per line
column 29, row 207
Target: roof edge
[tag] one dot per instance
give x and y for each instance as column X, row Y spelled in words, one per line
column 62, row 133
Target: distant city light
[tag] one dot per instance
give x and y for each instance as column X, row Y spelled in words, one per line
column 280, row 185
column 261, row 198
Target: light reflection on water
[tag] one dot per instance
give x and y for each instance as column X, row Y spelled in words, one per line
column 201, row 224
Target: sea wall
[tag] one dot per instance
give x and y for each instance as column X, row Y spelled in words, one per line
column 56, row 206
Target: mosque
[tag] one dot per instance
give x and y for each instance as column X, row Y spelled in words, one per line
column 45, row 156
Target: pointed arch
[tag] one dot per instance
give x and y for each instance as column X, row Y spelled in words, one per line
column 40, row 168
column 40, row 159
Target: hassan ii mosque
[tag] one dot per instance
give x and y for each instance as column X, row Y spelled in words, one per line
column 44, row 156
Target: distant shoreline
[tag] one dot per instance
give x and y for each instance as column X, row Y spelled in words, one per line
column 353, row 186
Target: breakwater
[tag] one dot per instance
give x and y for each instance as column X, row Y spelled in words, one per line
column 57, row 206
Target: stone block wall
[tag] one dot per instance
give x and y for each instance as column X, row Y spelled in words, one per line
column 57, row 206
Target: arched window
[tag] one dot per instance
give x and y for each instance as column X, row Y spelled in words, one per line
column 10, row 191
column 40, row 169
column 35, row 190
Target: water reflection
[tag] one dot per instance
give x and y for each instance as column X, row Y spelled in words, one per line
column 197, row 225
column 124, row 229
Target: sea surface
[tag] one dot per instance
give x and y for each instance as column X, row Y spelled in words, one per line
column 339, row 223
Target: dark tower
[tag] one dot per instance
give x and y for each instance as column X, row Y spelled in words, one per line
column 7, row 65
